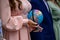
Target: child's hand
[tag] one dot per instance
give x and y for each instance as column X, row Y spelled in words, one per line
column 38, row 29
column 35, row 26
column 32, row 24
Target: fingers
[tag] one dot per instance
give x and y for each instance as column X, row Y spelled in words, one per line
column 32, row 24
column 35, row 25
column 39, row 29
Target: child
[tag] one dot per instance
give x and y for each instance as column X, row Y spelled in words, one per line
column 16, row 26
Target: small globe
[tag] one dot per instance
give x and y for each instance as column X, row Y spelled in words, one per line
column 36, row 16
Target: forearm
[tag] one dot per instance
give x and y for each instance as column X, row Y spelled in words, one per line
column 25, row 20
column 5, row 11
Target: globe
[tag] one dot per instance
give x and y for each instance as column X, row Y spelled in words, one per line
column 36, row 16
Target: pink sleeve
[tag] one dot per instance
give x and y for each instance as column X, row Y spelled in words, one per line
column 15, row 23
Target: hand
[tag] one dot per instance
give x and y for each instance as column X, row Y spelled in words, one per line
column 38, row 29
column 32, row 24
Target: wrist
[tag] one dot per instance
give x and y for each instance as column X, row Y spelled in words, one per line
column 25, row 21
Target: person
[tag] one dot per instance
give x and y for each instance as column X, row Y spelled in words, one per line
column 47, row 24
column 15, row 24
column 55, row 11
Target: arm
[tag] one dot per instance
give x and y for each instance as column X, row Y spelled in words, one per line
column 9, row 23
column 5, row 11
column 33, row 25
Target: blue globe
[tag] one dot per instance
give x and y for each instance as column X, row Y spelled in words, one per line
column 36, row 16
